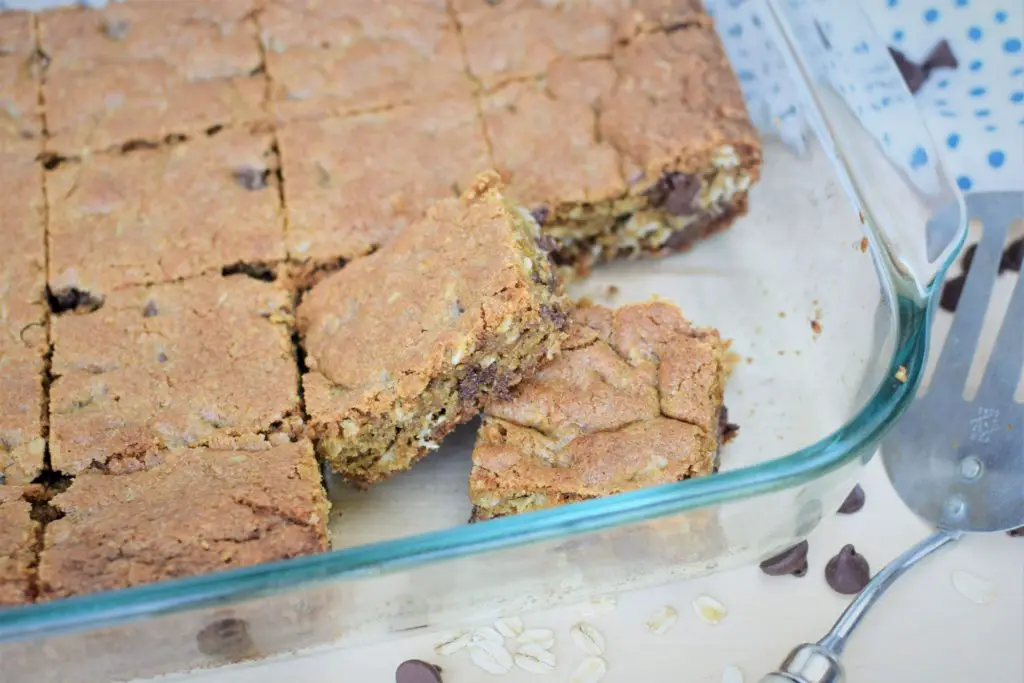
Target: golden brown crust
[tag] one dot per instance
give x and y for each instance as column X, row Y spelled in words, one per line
column 331, row 59
column 198, row 39
column 196, row 511
column 404, row 344
column 158, row 215
column 18, row 546
column 207, row 360
column 634, row 400
column 354, row 183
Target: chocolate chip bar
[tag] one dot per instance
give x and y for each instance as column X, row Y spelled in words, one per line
column 194, row 511
column 407, row 343
column 634, row 400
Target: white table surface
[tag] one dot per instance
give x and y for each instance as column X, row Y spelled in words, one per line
column 924, row 630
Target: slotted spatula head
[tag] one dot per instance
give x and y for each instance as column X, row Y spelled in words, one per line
column 957, row 463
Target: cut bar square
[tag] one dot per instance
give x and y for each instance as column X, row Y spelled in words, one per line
column 354, row 183
column 194, row 511
column 407, row 343
column 636, row 158
column 147, row 101
column 634, row 400
column 355, row 56
column 517, row 39
column 22, row 312
column 199, row 362
column 164, row 214
column 198, row 39
column 18, row 547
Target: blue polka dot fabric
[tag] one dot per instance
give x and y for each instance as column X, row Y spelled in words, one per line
column 976, row 110
column 975, row 113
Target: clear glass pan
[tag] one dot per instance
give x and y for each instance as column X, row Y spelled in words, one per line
column 825, row 287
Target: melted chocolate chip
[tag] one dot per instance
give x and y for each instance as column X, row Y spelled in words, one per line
column 540, row 214
column 675, row 193
column 848, row 572
column 251, row 177
column 792, row 561
column 474, row 381
column 225, row 638
column 150, row 310
column 417, row 671
column 854, row 501
column 557, row 316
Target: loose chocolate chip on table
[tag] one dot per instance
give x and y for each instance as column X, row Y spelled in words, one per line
column 792, row 561
column 251, row 178
column 951, row 291
column 848, row 572
column 914, row 74
column 1012, row 257
column 417, row 671
column 854, row 501
column 1017, row 533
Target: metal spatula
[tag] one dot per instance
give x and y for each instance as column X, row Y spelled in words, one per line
column 958, row 464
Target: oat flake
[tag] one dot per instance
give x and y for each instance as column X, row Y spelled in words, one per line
column 452, row 644
column 732, row 674
column 535, row 659
column 973, row 587
column 491, row 657
column 486, row 633
column 587, row 638
column 709, row 609
column 590, row 670
column 509, row 627
column 544, row 637
column 662, row 620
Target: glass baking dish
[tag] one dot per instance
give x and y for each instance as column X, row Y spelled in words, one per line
column 825, row 288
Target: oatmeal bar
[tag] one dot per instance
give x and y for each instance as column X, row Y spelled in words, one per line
column 405, row 344
column 624, row 157
column 146, row 101
column 334, row 58
column 353, row 183
column 634, row 400
column 164, row 214
column 18, row 547
column 198, row 39
column 22, row 310
column 195, row 511
column 206, row 361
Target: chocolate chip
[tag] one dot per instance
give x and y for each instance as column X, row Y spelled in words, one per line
column 225, row 638
column 912, row 72
column 475, row 379
column 417, row 671
column 848, row 572
column 161, row 357
column 792, row 561
column 941, row 57
column 727, row 431
column 257, row 271
column 854, row 501
column 1016, row 533
column 951, row 291
column 540, row 214
column 967, row 260
column 72, row 299
column 554, row 315
column 675, row 193
column 150, row 310
column 251, row 177
column 1012, row 257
